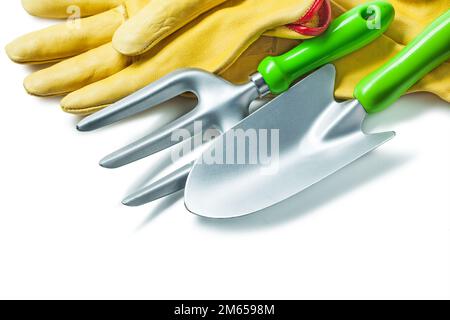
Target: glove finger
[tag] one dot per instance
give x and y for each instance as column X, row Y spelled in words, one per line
column 206, row 43
column 66, row 39
column 67, row 8
column 156, row 21
column 91, row 66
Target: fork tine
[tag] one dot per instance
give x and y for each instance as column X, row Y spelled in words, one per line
column 168, row 185
column 155, row 142
column 152, row 95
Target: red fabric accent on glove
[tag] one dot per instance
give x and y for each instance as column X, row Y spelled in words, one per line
column 321, row 8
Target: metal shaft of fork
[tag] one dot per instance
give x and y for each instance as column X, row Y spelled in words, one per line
column 177, row 180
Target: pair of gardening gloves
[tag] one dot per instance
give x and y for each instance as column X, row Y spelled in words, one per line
column 121, row 46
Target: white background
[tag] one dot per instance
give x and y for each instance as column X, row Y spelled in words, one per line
column 378, row 229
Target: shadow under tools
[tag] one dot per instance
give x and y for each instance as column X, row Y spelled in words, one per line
column 360, row 172
column 75, row 120
column 408, row 108
column 163, row 205
column 258, row 104
column 165, row 162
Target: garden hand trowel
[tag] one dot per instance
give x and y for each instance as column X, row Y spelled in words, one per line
column 312, row 137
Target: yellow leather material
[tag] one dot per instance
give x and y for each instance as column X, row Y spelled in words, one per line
column 412, row 17
column 67, row 39
column 133, row 7
column 226, row 40
column 88, row 40
column 248, row 62
column 286, row 33
column 212, row 42
column 61, row 79
column 67, row 8
column 219, row 43
column 156, row 21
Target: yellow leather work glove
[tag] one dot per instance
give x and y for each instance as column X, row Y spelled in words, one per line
column 156, row 21
column 181, row 37
column 161, row 18
column 411, row 18
column 59, row 9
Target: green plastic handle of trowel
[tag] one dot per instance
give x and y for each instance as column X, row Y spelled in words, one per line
column 349, row 32
column 430, row 49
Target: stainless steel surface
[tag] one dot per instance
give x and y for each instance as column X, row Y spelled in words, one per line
column 263, row 87
column 176, row 180
column 317, row 137
column 221, row 105
column 168, row 185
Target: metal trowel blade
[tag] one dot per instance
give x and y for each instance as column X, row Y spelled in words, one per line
column 317, row 136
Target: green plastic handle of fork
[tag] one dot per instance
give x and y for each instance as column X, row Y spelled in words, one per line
column 349, row 32
column 430, row 49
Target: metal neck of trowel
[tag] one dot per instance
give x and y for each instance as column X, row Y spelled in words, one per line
column 260, row 84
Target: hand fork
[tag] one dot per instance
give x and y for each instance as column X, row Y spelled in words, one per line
column 221, row 104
